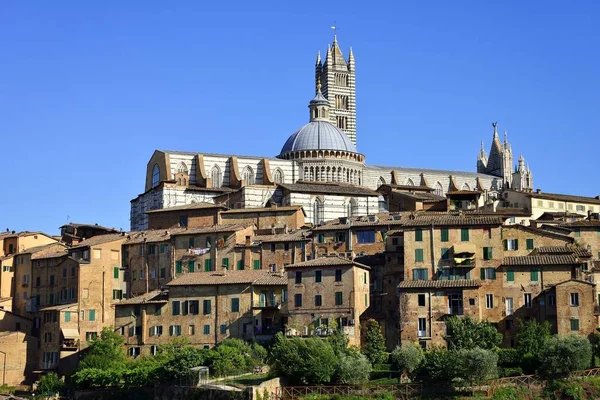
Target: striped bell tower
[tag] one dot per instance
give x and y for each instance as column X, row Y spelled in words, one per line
column 337, row 77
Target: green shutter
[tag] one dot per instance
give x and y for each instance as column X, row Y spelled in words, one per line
column 444, row 234
column 516, row 244
column 207, row 265
column 92, row 315
column 179, row 267
column 418, row 235
column 464, row 234
column 190, row 266
column 482, row 271
column 493, row 273
column 510, row 275
column 574, row 324
column 256, row 264
column 115, row 272
column 425, row 274
column 529, row 244
column 505, row 244
column 226, row 263
column 240, row 265
column 163, row 273
column 67, row 316
column 419, row 255
column 534, row 275
column 445, row 253
column 235, row 304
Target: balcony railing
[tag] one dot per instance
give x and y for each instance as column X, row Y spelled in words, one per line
column 267, row 303
column 70, row 344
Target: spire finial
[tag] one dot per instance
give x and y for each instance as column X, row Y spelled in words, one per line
column 318, row 84
column 482, row 149
column 495, row 126
column 505, row 136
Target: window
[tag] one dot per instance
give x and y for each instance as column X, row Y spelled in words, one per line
column 191, row 266
column 318, row 276
column 91, row 315
column 527, row 300
column 574, row 324
column 422, row 327
column 155, row 175
column 340, row 237
column 488, row 253
column 190, row 242
column 67, row 316
column 283, row 295
column 115, row 272
column 508, row 324
column 154, row 349
column 418, row 235
column 226, row 263
column 552, row 300
column 64, row 273
column 89, row 336
column 156, row 330
column 175, row 330
column 338, row 275
column 178, row 267
column 421, row 300
column 223, row 329
column 445, row 253
column 318, row 300
column 164, row 248
column 207, row 265
column 240, row 265
column 508, row 302
column 577, row 233
column 488, row 273
column 510, row 275
column 320, row 238
column 534, row 275
column 580, row 208
column 298, row 277
column 464, row 235
column 256, row 264
column 511, row 244
column 117, row 294
column 176, row 307
column 215, row 175
column 298, row 300
column 206, row 329
column 235, row 304
column 575, row 299
column 529, row 243
column 206, row 307
column 419, row 255
column 183, row 223
column 365, row 236
column 163, row 273
column 248, row 175
column 489, row 301
column 339, row 298
column 185, row 307
column 445, row 237
column 420, row 274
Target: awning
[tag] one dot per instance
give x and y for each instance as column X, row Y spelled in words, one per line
column 464, row 250
column 70, row 333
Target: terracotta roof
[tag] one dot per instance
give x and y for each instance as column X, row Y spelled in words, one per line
column 58, row 307
column 439, row 284
column 381, row 219
column 100, row 239
column 577, row 251
column 150, row 297
column 262, row 209
column 559, row 214
column 586, row 223
column 151, row 236
column 505, row 212
column 328, row 261
column 283, row 237
column 452, row 220
column 212, row 229
column 95, row 226
column 327, row 188
column 565, row 197
column 463, row 192
column 556, row 229
column 44, row 249
column 542, row 259
column 51, row 251
column 424, row 197
column 538, row 231
column 191, row 206
column 248, row 276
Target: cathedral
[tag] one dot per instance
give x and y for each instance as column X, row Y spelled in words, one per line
column 319, row 166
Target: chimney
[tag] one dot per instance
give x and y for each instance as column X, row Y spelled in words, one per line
column 539, row 191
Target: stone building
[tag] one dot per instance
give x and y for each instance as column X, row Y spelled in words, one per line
column 325, row 294
column 73, row 233
column 17, row 349
column 538, row 202
column 318, row 168
column 194, row 215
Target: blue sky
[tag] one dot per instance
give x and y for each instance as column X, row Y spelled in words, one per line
column 90, row 89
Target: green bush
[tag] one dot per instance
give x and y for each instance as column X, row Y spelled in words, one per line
column 562, row 356
column 353, row 369
column 513, row 393
column 509, row 357
column 50, row 384
column 407, row 358
column 464, row 333
column 438, row 364
column 510, row 371
column 474, row 365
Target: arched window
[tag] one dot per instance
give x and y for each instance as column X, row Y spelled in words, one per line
column 155, row 175
column 318, row 212
column 182, row 168
column 216, row 177
column 352, row 208
column 410, row 182
column 278, row 176
column 248, row 175
column 465, row 186
column 439, row 190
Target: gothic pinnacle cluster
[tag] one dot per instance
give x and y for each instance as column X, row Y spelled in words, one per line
column 500, row 163
column 337, row 78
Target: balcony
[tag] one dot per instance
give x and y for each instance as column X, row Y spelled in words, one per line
column 268, row 330
column 267, row 303
column 70, row 345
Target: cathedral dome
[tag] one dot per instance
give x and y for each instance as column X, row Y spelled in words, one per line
column 318, row 135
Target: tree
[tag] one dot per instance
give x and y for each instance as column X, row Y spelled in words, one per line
column 438, row 364
column 561, row 356
column 50, row 384
column 305, row 361
column 532, row 336
column 339, row 343
column 105, row 352
column 374, row 347
column 407, row 358
column 474, row 365
column 463, row 333
column 178, row 357
column 353, row 369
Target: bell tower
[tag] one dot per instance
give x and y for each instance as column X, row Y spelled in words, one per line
column 337, row 76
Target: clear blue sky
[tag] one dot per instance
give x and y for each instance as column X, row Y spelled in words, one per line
column 88, row 90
